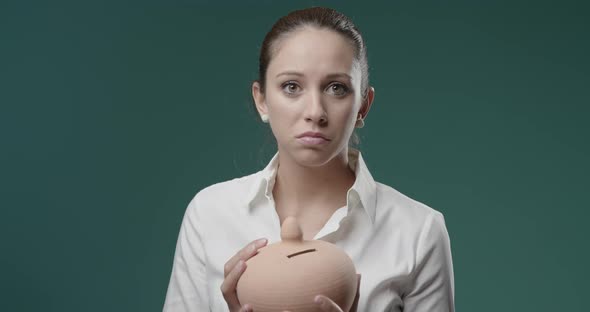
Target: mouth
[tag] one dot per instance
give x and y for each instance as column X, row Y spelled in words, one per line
column 306, row 140
column 310, row 134
column 311, row 138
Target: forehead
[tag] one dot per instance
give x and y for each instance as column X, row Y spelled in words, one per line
column 313, row 51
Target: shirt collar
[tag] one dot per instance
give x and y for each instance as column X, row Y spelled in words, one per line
column 361, row 194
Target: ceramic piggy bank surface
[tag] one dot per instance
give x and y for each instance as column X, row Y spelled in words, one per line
column 287, row 275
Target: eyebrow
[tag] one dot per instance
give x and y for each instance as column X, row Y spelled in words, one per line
column 334, row 75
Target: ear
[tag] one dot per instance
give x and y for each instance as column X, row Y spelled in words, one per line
column 367, row 101
column 259, row 98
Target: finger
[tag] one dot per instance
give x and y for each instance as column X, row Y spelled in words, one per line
column 244, row 254
column 326, row 304
column 228, row 287
column 246, row 308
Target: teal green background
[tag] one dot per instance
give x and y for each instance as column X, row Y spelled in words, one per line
column 113, row 115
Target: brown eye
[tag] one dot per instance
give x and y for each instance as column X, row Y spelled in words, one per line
column 338, row 89
column 290, row 87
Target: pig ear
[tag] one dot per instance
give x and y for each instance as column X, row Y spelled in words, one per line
column 291, row 230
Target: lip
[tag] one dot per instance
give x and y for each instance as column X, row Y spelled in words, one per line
column 307, row 140
column 311, row 134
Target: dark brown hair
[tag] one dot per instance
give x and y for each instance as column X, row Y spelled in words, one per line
column 323, row 18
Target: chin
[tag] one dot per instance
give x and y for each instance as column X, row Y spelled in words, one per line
column 312, row 157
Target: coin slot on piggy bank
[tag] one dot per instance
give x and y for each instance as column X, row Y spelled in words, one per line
column 300, row 253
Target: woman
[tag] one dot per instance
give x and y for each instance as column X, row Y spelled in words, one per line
column 313, row 91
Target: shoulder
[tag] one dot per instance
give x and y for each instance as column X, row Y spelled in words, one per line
column 407, row 212
column 394, row 199
column 228, row 194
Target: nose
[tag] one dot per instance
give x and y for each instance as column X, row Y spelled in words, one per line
column 315, row 110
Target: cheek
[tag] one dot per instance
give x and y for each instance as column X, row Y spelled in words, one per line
column 347, row 114
column 282, row 109
column 281, row 115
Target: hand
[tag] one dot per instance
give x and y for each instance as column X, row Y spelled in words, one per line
column 327, row 305
column 232, row 272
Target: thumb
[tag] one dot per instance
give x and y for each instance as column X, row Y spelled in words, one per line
column 355, row 302
column 326, row 304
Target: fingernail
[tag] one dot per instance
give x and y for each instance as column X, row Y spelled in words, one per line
column 261, row 241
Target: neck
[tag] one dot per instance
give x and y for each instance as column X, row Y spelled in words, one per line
column 298, row 187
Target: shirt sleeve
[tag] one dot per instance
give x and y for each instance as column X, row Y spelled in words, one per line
column 187, row 289
column 432, row 285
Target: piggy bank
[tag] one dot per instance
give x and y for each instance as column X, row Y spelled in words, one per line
column 287, row 275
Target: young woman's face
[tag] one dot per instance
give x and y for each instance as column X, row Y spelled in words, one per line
column 312, row 85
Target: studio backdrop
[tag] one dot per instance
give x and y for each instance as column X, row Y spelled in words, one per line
column 113, row 115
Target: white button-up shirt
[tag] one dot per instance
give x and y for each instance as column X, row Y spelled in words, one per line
column 400, row 246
